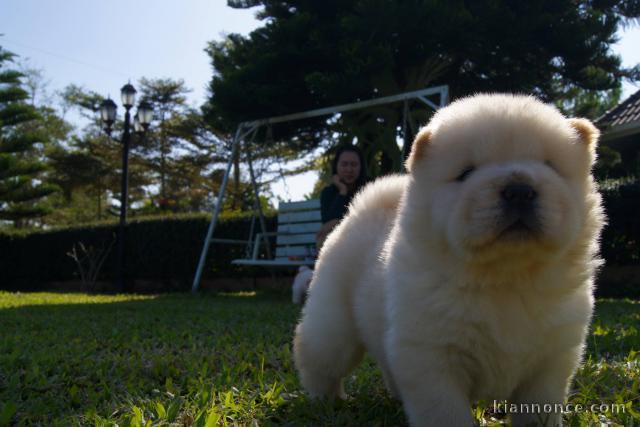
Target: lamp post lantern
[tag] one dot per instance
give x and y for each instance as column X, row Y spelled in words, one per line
column 141, row 124
column 128, row 95
column 108, row 113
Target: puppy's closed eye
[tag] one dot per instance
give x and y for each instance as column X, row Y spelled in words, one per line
column 551, row 166
column 465, row 174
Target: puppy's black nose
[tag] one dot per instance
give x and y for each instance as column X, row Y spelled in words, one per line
column 519, row 194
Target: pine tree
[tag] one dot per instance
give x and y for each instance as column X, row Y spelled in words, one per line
column 21, row 186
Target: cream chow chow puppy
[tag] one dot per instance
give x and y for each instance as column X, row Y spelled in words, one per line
column 469, row 278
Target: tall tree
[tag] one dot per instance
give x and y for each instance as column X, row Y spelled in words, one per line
column 198, row 170
column 84, row 179
column 169, row 101
column 184, row 152
column 101, row 180
column 310, row 54
column 21, row 190
column 85, row 102
column 35, row 83
column 170, row 170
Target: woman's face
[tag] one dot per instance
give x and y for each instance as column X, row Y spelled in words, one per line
column 348, row 167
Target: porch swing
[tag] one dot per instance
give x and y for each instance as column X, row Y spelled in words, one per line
column 297, row 225
column 298, row 222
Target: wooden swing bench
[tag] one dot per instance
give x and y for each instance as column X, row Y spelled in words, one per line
column 298, row 223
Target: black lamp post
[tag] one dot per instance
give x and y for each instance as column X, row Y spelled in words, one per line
column 141, row 124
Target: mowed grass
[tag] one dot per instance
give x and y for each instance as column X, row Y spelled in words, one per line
column 225, row 359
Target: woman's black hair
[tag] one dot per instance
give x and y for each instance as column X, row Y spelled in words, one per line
column 362, row 178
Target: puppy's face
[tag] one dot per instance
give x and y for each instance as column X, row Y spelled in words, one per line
column 501, row 177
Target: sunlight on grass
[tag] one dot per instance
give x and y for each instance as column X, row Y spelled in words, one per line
column 239, row 294
column 18, row 299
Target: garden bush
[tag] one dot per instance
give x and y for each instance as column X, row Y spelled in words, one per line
column 621, row 237
column 166, row 250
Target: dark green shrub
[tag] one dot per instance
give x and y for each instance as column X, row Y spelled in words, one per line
column 621, row 236
column 164, row 250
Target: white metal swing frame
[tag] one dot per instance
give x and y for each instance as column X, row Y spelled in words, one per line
column 249, row 129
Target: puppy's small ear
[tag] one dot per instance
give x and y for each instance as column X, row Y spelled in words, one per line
column 419, row 147
column 585, row 130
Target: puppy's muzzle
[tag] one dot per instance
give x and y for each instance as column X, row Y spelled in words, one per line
column 519, row 210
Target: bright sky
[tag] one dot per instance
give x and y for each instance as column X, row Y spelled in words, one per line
column 102, row 44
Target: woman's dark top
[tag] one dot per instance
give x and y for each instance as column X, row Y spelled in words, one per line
column 333, row 205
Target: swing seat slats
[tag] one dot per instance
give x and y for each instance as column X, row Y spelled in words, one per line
column 298, row 223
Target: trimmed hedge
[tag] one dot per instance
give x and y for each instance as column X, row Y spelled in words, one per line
column 167, row 250
column 621, row 237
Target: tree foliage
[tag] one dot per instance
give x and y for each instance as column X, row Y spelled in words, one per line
column 176, row 167
column 311, row 54
column 160, row 147
column 21, row 190
column 88, row 166
column 576, row 102
column 179, row 149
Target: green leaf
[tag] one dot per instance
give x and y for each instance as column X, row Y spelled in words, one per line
column 7, row 411
column 174, row 409
column 161, row 411
column 136, row 418
column 213, row 417
column 73, row 394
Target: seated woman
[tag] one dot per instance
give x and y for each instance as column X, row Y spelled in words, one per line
column 348, row 176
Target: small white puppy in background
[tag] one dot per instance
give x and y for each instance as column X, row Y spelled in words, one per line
column 301, row 284
column 471, row 277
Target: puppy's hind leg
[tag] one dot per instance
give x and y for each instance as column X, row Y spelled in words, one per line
column 326, row 345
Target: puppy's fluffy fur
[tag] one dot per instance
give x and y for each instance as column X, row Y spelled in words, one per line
column 301, row 284
column 469, row 278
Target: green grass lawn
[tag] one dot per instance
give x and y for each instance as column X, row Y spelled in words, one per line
column 68, row 359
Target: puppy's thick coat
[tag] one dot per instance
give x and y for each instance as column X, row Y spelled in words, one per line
column 469, row 278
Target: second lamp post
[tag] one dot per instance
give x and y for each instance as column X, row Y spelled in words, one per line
column 141, row 123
